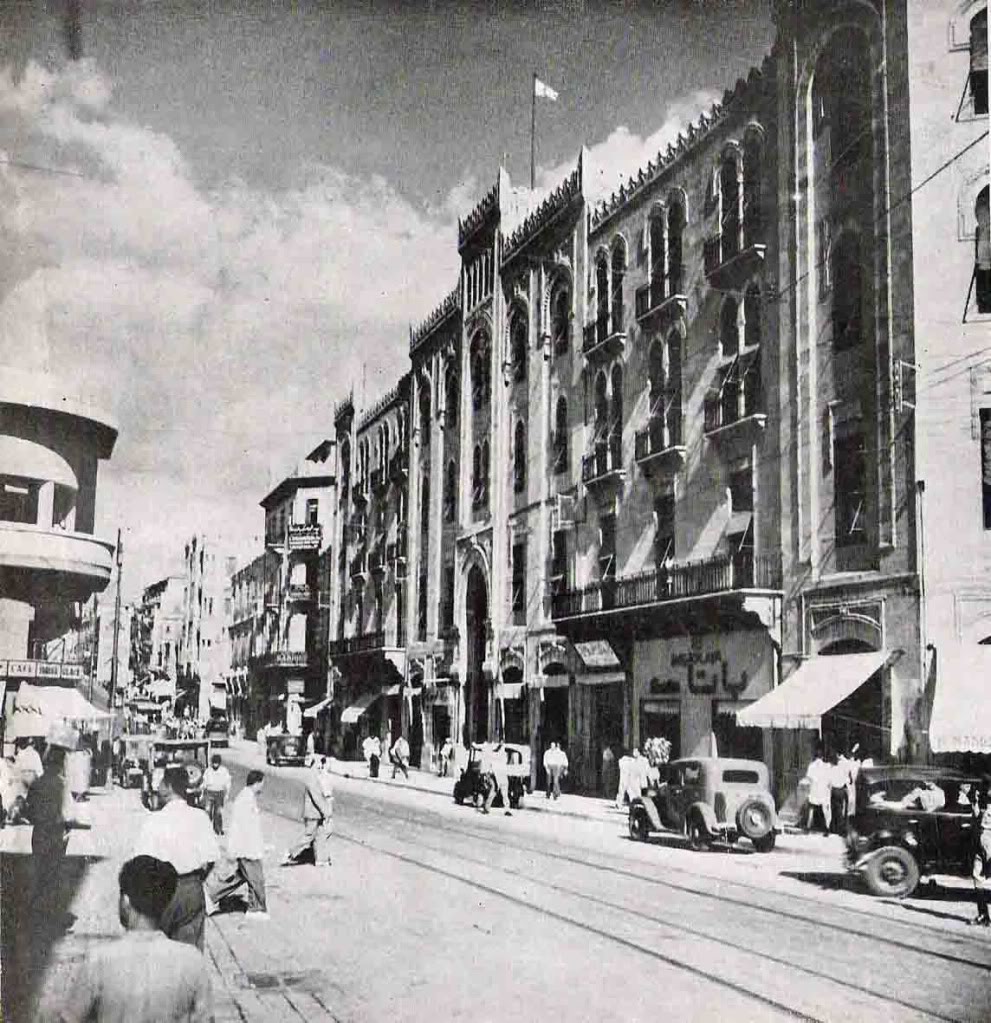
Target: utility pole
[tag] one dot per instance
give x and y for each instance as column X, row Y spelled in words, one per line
column 113, row 666
column 94, row 652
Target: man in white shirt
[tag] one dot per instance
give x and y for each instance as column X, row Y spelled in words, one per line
column 181, row 835
column 27, row 764
column 246, row 847
column 819, row 775
column 216, row 788
column 555, row 765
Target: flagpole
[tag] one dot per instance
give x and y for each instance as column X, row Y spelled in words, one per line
column 533, row 125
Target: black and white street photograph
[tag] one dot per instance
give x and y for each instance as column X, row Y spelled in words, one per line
column 495, row 511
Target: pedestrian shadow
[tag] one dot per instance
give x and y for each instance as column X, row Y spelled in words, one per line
column 908, row 907
column 30, row 935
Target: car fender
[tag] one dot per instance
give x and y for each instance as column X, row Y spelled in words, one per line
column 650, row 808
column 707, row 815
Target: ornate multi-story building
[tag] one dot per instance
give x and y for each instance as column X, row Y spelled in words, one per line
column 694, row 459
column 156, row 629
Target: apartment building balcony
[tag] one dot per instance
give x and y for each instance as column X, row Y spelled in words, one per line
column 283, row 659
column 398, row 467
column 675, row 587
column 658, row 448
column 397, row 552
column 602, row 467
column 735, row 414
column 370, row 655
column 304, row 536
column 379, row 481
column 300, row 593
column 654, row 302
column 606, row 336
column 377, row 559
column 36, row 561
column 730, row 261
column 362, row 644
column 359, row 495
column 359, row 567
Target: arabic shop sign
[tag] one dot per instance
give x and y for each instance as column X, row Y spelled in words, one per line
column 735, row 665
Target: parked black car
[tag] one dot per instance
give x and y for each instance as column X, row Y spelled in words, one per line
column 709, row 799
column 911, row 822
column 473, row 785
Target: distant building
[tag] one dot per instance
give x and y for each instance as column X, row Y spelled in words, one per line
column 157, row 630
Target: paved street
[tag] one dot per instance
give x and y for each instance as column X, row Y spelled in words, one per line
column 432, row 910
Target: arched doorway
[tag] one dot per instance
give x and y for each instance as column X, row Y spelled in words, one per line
column 476, row 686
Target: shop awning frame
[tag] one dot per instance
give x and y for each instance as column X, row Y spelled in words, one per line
column 813, row 690
column 312, row 712
column 353, row 712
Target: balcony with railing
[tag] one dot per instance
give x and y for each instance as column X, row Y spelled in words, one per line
column 606, row 336
column 653, row 300
column 397, row 551
column 656, row 586
column 603, row 465
column 734, row 411
column 398, row 467
column 376, row 559
column 366, row 643
column 359, row 495
column 659, row 447
column 732, row 257
column 359, row 566
column 379, row 481
column 304, row 536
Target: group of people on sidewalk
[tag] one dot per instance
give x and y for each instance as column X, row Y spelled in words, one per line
column 399, row 754
column 831, row 787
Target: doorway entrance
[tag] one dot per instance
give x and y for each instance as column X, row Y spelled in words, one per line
column 477, row 689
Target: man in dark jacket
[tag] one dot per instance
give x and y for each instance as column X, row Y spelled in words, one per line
column 318, row 810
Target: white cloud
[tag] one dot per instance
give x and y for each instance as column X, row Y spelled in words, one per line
column 219, row 327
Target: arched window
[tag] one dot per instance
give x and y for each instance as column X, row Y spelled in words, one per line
column 602, row 290
column 729, row 328
column 424, row 418
column 752, row 316
column 979, row 61
column 480, row 377
column 601, row 405
column 848, row 298
column 561, row 435
column 519, row 457
column 658, row 386
column 655, row 241
column 676, row 227
column 729, row 192
column 476, row 478
column 518, row 343
column 345, row 470
column 982, row 253
column 616, row 418
column 841, row 97
column 450, row 491
column 561, row 319
column 753, row 223
column 618, row 273
column 673, row 398
column 452, row 394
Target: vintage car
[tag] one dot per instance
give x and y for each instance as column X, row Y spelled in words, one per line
column 472, row 785
column 709, row 799
column 283, row 748
column 133, row 757
column 192, row 754
column 217, row 730
column 911, row 822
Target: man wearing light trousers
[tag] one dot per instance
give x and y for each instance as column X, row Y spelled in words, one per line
column 317, row 815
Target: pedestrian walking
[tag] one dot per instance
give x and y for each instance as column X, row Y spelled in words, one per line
column 52, row 813
column 632, row 778
column 399, row 756
column 555, row 766
column 318, row 812
column 839, row 793
column 311, row 748
column 819, row 775
column 246, row 848
column 181, row 835
column 141, row 977
column 216, row 788
column 446, row 758
column 371, row 750
column 981, row 870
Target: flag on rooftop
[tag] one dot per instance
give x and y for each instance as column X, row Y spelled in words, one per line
column 542, row 90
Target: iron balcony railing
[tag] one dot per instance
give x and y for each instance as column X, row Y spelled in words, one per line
column 359, row 565
column 378, row 480
column 649, row 297
column 398, row 466
column 721, row 574
column 357, row 644
column 606, row 457
column 740, row 394
column 605, row 327
column 659, row 435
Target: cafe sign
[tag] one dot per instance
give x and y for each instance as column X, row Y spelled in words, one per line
column 41, row 669
column 735, row 666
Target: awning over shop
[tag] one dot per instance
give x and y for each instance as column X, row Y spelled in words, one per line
column 38, row 708
column 355, row 710
column 311, row 712
column 597, row 653
column 600, row 678
column 512, row 690
column 813, row 690
column 392, row 690
column 552, row 681
column 961, row 714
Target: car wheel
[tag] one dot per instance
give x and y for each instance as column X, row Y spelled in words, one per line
column 698, row 835
column 754, row 820
column 765, row 844
column 892, row 872
column 639, row 825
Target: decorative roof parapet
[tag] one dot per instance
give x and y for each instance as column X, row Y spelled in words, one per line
column 477, row 217
column 450, row 305
column 694, row 136
column 344, row 409
column 557, row 201
column 390, row 398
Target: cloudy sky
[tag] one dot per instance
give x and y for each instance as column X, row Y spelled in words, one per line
column 225, row 212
